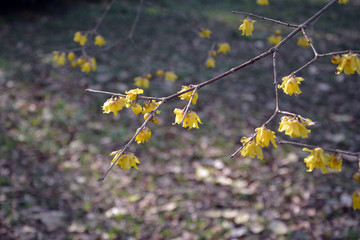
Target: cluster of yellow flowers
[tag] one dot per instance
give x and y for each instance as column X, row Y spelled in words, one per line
column 126, row 160
column 318, row 159
column 223, row 48
column 343, row 1
column 349, row 63
column 86, row 64
column 191, row 119
column 294, row 126
column 144, row 81
column 247, row 27
column 252, row 146
column 290, row 84
column 275, row 39
column 262, row 2
column 82, row 39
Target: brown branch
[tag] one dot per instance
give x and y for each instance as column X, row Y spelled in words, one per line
column 326, row 149
column 266, row 19
column 130, row 36
column 122, row 95
column 311, row 44
column 101, row 19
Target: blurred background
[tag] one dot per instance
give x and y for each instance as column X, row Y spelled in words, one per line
column 55, row 141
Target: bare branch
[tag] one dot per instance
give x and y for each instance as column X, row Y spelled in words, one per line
column 266, row 19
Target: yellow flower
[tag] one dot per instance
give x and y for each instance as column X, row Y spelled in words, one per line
column 264, row 136
column 188, row 95
column 160, row 72
column 155, row 120
column 356, row 200
column 136, row 108
column 357, row 176
column 335, row 59
column 79, row 38
column 317, row 159
column 99, row 41
column 144, row 135
column 205, row 33
column 302, row 41
column 59, row 58
column 251, row 149
column 294, row 127
column 210, row 62
column 126, row 161
column 247, row 27
column 131, row 95
column 223, row 48
column 114, row 105
column 86, row 67
column 191, row 119
column 73, row 63
column 335, row 161
column 93, row 64
column 149, row 106
column 262, row 2
column 275, row 39
column 71, row 56
column 343, row 1
column 290, row 84
column 170, row 76
column 212, row 53
column 349, row 63
column 148, row 75
column 141, row 82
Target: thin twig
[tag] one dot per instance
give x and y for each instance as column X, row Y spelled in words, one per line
column 240, row 148
column 312, row 146
column 188, row 105
column 122, row 95
column 311, row 44
column 108, row 7
column 266, row 19
column 130, row 36
column 275, row 83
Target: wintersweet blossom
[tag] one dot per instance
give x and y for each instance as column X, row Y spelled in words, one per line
column 290, row 84
column 191, row 119
column 302, row 41
column 80, row 38
column 71, row 56
column 132, row 94
column 349, row 63
column 136, row 108
column 170, row 76
column 144, row 135
column 205, row 33
column 223, row 48
column 160, row 72
column 99, row 41
column 114, row 105
column 317, row 159
column 335, row 161
column 210, row 62
column 294, row 126
column 356, row 200
column 264, row 136
column 357, row 176
column 59, row 58
column 141, row 82
column 251, row 149
column 149, row 106
column 126, row 160
column 247, row 27
column 335, row 59
column 343, row 1
column 275, row 39
column 187, row 95
column 262, row 2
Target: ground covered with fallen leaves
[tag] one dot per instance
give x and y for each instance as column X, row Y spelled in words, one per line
column 55, row 141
